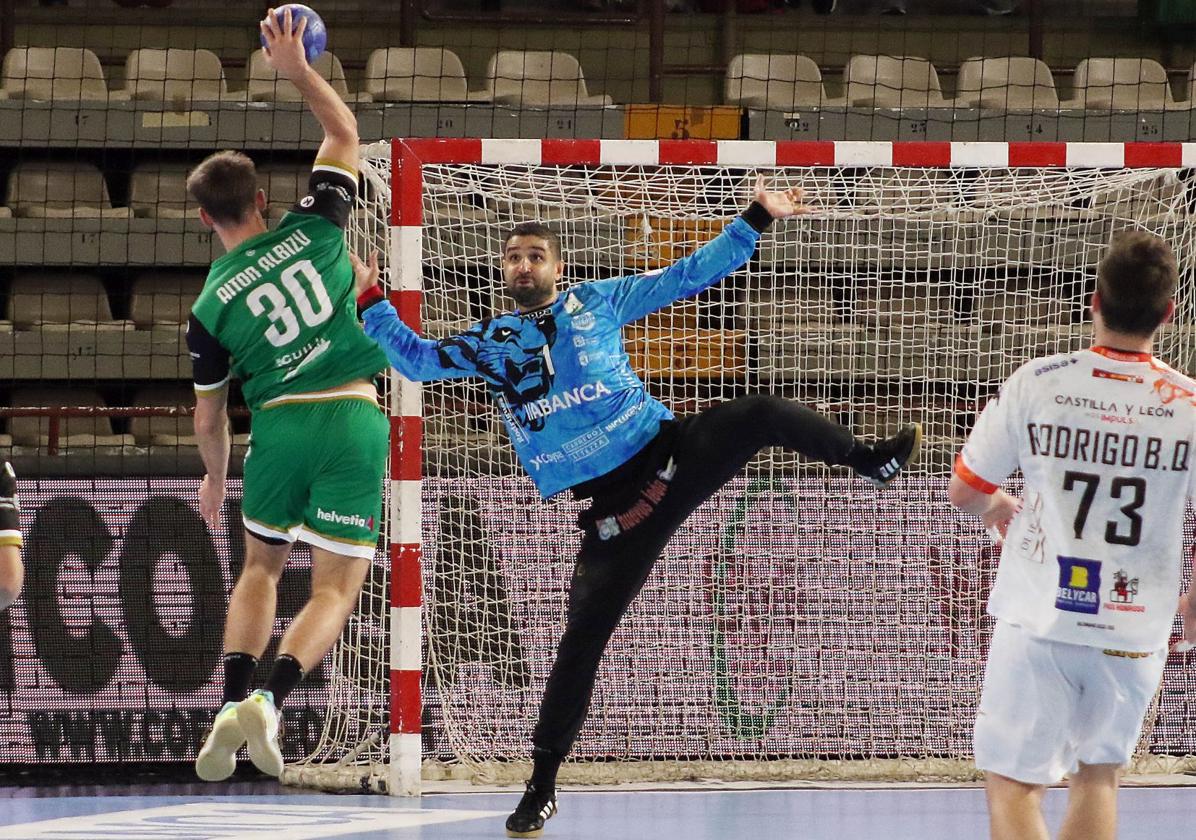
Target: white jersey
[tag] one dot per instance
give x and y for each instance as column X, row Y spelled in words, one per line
column 1104, row 441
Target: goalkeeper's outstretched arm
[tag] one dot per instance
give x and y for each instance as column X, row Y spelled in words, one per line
column 418, row 359
column 634, row 297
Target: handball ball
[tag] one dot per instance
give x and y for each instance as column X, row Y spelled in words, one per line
column 315, row 37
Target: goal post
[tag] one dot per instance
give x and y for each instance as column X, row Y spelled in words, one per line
column 800, row 624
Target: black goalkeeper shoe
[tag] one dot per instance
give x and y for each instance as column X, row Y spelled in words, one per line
column 536, row 806
column 885, row 459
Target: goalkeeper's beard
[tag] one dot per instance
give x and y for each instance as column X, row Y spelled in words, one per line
column 539, row 293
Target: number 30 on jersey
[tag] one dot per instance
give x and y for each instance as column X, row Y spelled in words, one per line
column 267, row 299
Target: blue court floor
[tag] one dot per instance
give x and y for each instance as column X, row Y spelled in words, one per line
column 792, row 813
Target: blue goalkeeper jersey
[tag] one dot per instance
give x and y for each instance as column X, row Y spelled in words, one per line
column 559, row 376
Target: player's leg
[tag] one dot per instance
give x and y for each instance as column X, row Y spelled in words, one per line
column 1092, row 803
column 606, row 578
column 335, row 585
column 274, row 493
column 1014, row 809
column 718, row 442
column 247, row 631
column 340, row 522
column 253, row 602
column 1117, row 690
column 1025, row 728
column 12, row 571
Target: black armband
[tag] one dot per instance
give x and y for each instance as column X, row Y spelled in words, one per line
column 757, row 216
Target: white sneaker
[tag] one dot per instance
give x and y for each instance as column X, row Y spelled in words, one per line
column 260, row 723
column 217, row 757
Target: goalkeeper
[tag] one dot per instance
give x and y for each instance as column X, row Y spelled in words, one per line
column 580, row 419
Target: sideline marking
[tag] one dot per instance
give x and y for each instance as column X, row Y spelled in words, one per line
column 235, row 821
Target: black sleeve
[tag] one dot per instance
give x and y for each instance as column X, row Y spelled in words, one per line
column 331, row 193
column 757, row 216
column 209, row 360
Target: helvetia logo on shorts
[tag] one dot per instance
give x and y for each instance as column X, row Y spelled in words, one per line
column 345, row 519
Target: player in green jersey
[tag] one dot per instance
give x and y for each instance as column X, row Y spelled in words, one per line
column 278, row 312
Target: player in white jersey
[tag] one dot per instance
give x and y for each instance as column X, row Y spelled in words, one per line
column 1089, row 576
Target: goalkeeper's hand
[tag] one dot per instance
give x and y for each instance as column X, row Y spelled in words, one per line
column 365, row 281
column 365, row 274
column 780, row 204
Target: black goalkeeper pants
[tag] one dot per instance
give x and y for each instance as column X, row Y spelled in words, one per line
column 637, row 508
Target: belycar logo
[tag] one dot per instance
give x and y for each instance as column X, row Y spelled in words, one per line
column 1079, row 585
column 345, row 519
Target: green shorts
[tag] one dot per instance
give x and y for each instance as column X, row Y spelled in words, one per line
column 314, row 472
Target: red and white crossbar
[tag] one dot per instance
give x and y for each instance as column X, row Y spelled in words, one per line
column 408, row 158
column 791, row 153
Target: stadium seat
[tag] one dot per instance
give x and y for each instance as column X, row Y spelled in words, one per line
column 538, row 78
column 1129, row 84
column 1024, row 306
column 164, row 430
column 892, row 81
column 60, row 301
column 904, row 305
column 418, row 74
column 159, row 190
column 771, row 311
column 55, row 73
column 60, row 190
column 284, row 184
column 1162, row 194
column 775, row 82
column 177, row 77
column 266, row 86
column 79, row 432
column 163, row 299
column 897, row 190
column 1012, row 82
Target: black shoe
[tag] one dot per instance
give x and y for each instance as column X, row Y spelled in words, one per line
column 886, row 458
column 824, row 7
column 533, row 809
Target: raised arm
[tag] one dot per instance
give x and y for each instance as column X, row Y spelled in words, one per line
column 636, row 296
column 284, row 52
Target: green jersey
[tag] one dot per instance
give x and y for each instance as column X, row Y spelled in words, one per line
column 279, row 311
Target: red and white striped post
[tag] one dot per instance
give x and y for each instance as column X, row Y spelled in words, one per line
column 406, row 432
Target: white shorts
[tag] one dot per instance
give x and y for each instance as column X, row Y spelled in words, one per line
column 1048, row 707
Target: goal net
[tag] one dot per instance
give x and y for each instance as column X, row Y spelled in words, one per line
column 800, row 624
